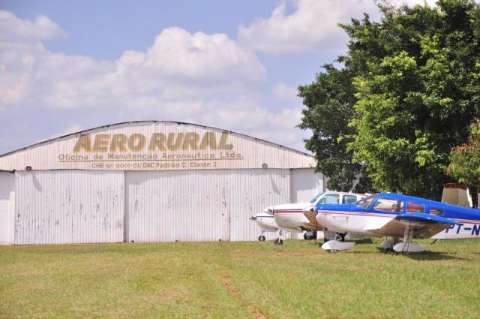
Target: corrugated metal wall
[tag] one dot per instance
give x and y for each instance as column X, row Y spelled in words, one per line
column 201, row 205
column 7, row 207
column 56, row 207
column 305, row 184
column 101, row 206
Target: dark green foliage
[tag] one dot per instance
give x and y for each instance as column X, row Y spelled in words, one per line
column 415, row 77
column 465, row 160
column 329, row 101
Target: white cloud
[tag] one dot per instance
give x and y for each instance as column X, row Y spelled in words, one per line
column 178, row 65
column 14, row 29
column 183, row 76
column 298, row 26
column 286, row 93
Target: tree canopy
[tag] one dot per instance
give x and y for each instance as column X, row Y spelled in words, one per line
column 404, row 95
column 329, row 102
column 465, row 160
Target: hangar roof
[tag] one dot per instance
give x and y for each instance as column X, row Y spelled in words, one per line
column 154, row 145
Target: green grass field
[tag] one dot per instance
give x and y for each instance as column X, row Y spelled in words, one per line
column 238, row 280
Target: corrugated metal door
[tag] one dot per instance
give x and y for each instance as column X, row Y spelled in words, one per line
column 7, row 207
column 56, row 207
column 251, row 192
column 200, row 205
column 181, row 205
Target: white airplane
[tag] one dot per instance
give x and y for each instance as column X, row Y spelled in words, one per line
column 266, row 223
column 397, row 216
column 290, row 217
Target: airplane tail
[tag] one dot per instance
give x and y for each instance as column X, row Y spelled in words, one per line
column 457, row 194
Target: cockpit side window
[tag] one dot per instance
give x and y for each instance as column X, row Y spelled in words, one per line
column 365, row 202
column 435, row 211
column 330, row 199
column 415, row 207
column 388, row 205
column 349, row 199
column 314, row 199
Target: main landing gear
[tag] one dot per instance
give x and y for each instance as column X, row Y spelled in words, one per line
column 340, row 237
column 337, row 244
column 388, row 243
column 310, row 235
column 279, row 240
column 406, row 246
column 262, row 237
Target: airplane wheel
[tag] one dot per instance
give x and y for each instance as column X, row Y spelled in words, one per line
column 278, row 241
column 340, row 237
column 261, row 238
column 310, row 235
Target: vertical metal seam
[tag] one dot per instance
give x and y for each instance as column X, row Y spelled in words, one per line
column 126, row 218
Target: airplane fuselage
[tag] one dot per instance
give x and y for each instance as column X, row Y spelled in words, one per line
column 266, row 222
column 357, row 220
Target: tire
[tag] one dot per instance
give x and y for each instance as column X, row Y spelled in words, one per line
column 340, row 237
column 261, row 238
column 310, row 235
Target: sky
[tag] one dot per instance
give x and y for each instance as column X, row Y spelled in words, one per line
column 66, row 66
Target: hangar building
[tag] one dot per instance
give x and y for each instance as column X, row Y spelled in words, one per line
column 147, row 181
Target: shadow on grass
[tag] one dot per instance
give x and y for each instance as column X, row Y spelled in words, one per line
column 432, row 255
column 364, row 241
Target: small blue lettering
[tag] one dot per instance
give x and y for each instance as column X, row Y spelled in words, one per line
column 459, row 227
column 449, row 227
column 476, row 230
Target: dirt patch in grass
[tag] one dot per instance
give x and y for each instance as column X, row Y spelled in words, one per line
column 164, row 295
column 235, row 294
column 236, row 255
column 304, row 253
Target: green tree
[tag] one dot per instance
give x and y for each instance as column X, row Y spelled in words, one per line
column 465, row 161
column 329, row 108
column 404, row 96
column 417, row 90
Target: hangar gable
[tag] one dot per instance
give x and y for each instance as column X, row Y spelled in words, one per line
column 154, row 145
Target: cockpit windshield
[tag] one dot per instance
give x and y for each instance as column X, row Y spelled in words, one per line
column 365, row 202
column 316, row 197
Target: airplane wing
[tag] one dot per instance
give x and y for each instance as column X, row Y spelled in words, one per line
column 423, row 225
column 311, row 216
